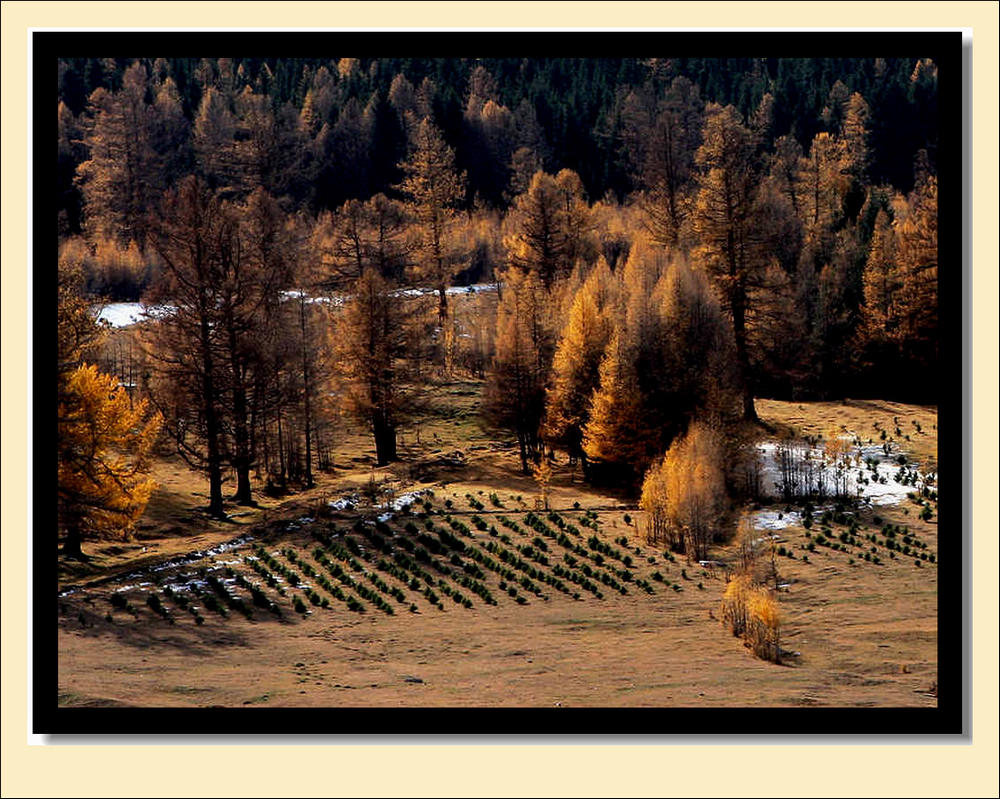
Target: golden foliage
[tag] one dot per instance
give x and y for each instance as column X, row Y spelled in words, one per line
column 542, row 472
column 551, row 227
column 751, row 612
column 900, row 311
column 575, row 367
column 684, row 495
column 434, row 186
column 104, row 446
column 668, row 359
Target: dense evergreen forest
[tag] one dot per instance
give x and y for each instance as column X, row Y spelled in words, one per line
column 572, row 112
column 667, row 239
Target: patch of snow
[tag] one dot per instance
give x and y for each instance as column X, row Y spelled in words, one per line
column 451, row 291
column 121, row 314
column 775, row 520
column 872, row 474
column 345, row 503
column 299, row 294
column 407, row 499
column 218, row 549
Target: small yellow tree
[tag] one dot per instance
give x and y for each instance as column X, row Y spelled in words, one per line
column 763, row 633
column 104, row 447
column 542, row 472
column 750, row 611
column 838, row 456
column 684, row 495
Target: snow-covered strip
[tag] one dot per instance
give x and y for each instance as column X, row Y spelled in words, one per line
column 338, row 298
column 475, row 288
column 218, row 549
column 308, row 299
column 187, row 585
column 125, row 314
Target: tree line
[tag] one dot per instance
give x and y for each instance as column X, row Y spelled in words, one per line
column 742, row 263
column 320, row 132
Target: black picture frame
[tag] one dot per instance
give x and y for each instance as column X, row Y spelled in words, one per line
column 950, row 717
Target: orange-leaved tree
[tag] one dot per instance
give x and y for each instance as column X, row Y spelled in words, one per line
column 577, row 360
column 685, row 494
column 104, row 447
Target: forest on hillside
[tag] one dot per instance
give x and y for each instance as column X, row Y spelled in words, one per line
column 664, row 240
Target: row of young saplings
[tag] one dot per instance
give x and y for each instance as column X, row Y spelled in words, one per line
column 516, row 565
column 528, row 559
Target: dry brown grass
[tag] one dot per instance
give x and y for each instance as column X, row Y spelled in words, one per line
column 865, row 634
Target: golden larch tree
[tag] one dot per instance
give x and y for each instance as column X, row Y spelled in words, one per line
column 104, row 447
column 917, row 255
column 577, row 360
column 617, row 430
column 880, row 312
column 434, row 187
column 103, row 441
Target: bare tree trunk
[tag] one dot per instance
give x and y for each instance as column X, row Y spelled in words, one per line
column 72, row 548
column 283, row 476
column 212, row 427
column 385, row 441
column 307, row 392
column 742, row 354
column 241, row 433
column 522, row 442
